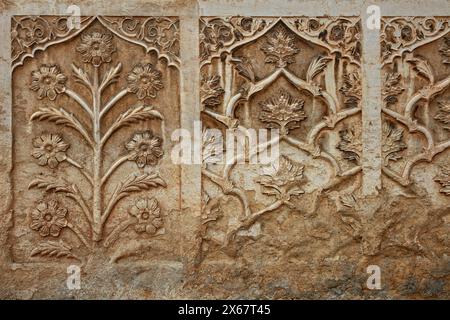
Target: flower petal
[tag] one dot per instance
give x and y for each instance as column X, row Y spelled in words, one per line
column 44, row 231
column 54, row 230
column 52, row 162
column 51, row 93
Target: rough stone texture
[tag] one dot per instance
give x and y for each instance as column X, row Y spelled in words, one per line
column 87, row 177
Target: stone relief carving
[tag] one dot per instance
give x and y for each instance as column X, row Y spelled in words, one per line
column 103, row 96
column 298, row 75
column 414, row 90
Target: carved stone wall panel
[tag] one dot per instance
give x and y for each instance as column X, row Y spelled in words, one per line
column 91, row 115
column 301, row 76
column 88, row 115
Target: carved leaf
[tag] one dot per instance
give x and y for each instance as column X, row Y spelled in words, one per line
column 137, row 183
column 283, row 111
column 422, row 67
column 81, row 75
column 280, row 48
column 111, row 76
column 348, row 200
column 60, row 117
column 392, row 142
column 444, row 179
column 316, row 67
column 245, row 68
column 51, row 184
column 391, row 89
column 211, row 92
column 134, row 115
column 284, row 180
column 443, row 115
column 53, row 249
column 350, row 145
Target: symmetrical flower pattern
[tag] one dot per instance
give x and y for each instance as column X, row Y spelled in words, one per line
column 49, row 149
column 89, row 192
column 96, row 48
column 48, row 218
column 280, row 48
column 283, row 112
column 145, row 149
column 144, row 80
column 48, row 81
column 148, row 215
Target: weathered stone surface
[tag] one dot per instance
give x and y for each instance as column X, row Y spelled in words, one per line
column 88, row 177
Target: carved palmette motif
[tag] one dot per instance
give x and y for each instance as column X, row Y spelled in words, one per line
column 300, row 76
column 415, row 93
column 86, row 212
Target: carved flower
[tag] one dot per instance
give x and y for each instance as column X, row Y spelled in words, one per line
column 443, row 115
column 49, row 149
column 144, row 80
column 144, row 148
column 211, row 92
column 148, row 214
column 392, row 142
column 48, row 218
column 351, row 89
column 284, row 180
column 96, row 48
column 48, row 81
column 284, row 111
column 445, row 50
column 350, row 145
column 391, row 89
column 280, row 48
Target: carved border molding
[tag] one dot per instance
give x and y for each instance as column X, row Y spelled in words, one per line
column 30, row 34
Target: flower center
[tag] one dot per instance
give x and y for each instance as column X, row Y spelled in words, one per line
column 47, row 80
column 48, row 147
column 48, row 217
column 144, row 147
column 145, row 79
column 96, row 46
column 145, row 216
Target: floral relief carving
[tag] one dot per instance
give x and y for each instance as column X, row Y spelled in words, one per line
column 36, row 33
column 48, row 81
column 284, row 181
column 148, row 215
column 412, row 88
column 49, row 149
column 93, row 193
column 211, row 91
column 445, row 50
column 350, row 145
column 301, row 106
column 392, row 142
column 279, row 48
column 144, row 81
column 48, row 218
column 96, row 48
column 283, row 112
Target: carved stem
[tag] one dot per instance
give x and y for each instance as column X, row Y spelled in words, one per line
column 113, row 168
column 250, row 220
column 80, row 101
column 80, row 168
column 80, row 201
column 97, row 189
column 79, row 234
column 114, row 235
column 113, row 101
